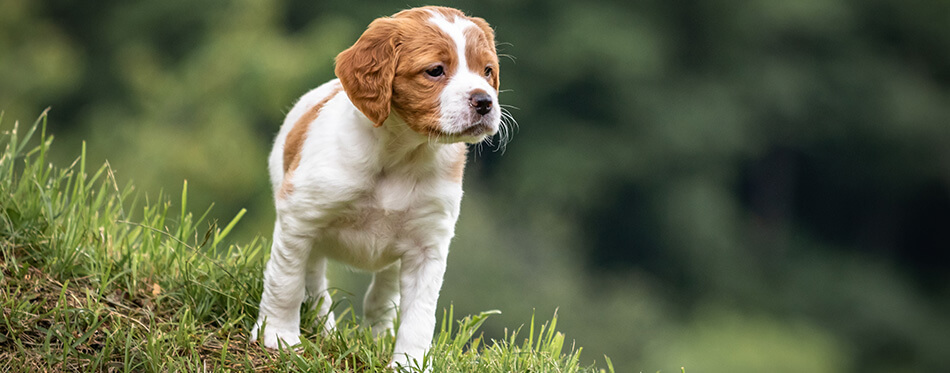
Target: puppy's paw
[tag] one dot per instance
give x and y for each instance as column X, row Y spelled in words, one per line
column 274, row 337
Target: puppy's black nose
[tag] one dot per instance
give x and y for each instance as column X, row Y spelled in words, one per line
column 482, row 102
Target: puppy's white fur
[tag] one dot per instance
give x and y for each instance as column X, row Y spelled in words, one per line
column 383, row 198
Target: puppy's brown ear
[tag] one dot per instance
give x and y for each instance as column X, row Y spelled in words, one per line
column 366, row 69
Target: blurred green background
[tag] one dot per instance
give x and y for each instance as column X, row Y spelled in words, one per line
column 729, row 186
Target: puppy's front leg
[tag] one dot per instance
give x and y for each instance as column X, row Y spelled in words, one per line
column 283, row 291
column 420, row 280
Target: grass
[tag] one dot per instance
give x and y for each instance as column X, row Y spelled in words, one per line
column 97, row 277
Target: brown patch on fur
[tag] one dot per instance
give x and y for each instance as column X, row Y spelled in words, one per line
column 286, row 188
column 415, row 94
column 426, row 12
column 422, row 45
column 457, row 171
column 385, row 70
column 295, row 139
column 480, row 51
column 405, row 45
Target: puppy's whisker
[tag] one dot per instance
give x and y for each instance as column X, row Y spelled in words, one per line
column 509, row 119
column 478, row 149
column 506, row 129
column 508, row 56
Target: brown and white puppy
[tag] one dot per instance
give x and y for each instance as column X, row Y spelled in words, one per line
column 367, row 170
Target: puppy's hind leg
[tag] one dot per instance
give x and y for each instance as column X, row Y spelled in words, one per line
column 317, row 289
column 382, row 299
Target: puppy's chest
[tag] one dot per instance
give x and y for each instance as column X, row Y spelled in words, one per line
column 393, row 211
column 382, row 210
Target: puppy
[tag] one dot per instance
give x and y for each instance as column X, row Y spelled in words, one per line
column 367, row 170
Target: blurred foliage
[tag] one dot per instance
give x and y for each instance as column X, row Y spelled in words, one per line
column 726, row 185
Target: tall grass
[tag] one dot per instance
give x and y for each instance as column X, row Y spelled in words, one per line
column 97, row 277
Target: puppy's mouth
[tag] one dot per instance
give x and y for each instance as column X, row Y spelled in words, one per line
column 473, row 133
column 476, row 130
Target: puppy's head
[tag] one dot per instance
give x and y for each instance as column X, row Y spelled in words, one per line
column 434, row 67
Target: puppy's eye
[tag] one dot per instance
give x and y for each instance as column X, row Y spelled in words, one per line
column 436, row 72
column 488, row 71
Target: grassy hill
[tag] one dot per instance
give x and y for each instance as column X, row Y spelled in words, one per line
column 95, row 276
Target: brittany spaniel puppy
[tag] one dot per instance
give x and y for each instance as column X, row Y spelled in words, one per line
column 367, row 170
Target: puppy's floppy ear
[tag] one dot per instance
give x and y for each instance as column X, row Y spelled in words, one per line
column 366, row 70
